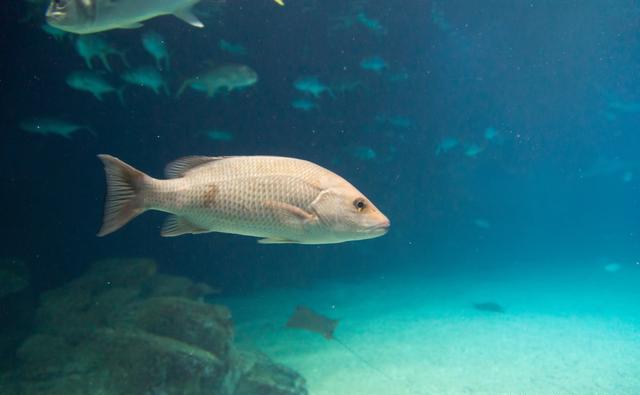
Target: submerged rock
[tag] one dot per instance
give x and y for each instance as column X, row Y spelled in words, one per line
column 14, row 276
column 123, row 329
column 263, row 377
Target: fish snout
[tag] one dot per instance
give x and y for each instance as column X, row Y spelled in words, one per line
column 382, row 226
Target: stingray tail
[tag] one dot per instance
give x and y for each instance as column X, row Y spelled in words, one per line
column 378, row 370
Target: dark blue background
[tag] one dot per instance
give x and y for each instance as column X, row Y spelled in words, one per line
column 541, row 72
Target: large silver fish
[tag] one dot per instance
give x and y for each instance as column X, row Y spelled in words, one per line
column 91, row 16
column 281, row 200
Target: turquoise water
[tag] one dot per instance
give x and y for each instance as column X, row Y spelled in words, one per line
column 500, row 139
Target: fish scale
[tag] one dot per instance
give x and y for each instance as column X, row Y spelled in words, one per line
column 283, row 200
column 241, row 195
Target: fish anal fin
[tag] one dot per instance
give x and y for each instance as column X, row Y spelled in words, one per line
column 276, row 240
column 179, row 167
column 176, row 226
column 186, row 15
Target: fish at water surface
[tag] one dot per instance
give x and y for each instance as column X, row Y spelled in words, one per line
column 92, row 16
column 281, row 200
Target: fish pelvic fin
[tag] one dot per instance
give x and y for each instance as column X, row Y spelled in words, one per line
column 125, row 194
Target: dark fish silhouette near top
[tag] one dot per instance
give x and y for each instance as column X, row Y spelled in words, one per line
column 489, row 306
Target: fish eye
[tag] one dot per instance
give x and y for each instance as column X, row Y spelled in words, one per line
column 359, row 204
column 60, row 3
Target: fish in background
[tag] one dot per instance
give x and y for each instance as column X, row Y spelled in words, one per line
column 446, row 144
column 398, row 76
column 94, row 46
column 490, row 133
column 482, row 223
column 348, row 85
column 304, row 105
column 281, row 200
column 52, row 126
column 233, row 49
column 398, row 121
column 94, row 83
column 372, row 24
column 439, row 19
column 612, row 267
column 146, row 77
column 312, row 85
column 218, row 135
column 228, row 77
column 624, row 106
column 92, row 16
column 472, row 150
column 365, row 153
column 490, row 307
column 611, row 167
column 373, row 63
column 156, row 46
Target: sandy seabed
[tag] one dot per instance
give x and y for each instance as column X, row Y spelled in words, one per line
column 420, row 334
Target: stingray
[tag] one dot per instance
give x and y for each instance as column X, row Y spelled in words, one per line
column 306, row 319
column 489, row 306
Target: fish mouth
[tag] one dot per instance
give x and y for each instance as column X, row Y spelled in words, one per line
column 381, row 228
column 54, row 17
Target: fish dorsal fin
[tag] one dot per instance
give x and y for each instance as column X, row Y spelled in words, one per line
column 179, row 167
column 176, row 226
column 187, row 15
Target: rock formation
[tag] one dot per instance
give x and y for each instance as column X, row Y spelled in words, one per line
column 123, row 329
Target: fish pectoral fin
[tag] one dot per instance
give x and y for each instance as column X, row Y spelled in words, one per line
column 292, row 212
column 176, row 226
column 275, row 240
column 187, row 15
column 136, row 25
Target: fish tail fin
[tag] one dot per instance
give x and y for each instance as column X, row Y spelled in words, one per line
column 105, row 62
column 123, row 57
column 90, row 129
column 125, row 194
column 184, row 86
column 120, row 94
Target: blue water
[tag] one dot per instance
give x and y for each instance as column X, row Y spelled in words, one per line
column 500, row 138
